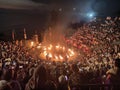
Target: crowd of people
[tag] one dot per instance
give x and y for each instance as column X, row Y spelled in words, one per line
column 98, row 43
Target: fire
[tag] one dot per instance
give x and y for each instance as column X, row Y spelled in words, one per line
column 45, row 53
column 44, row 48
column 63, row 48
column 60, row 57
column 67, row 56
column 32, row 43
column 50, row 47
column 56, row 57
column 57, row 52
column 38, row 47
column 57, row 47
column 50, row 55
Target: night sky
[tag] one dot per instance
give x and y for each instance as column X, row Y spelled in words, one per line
column 34, row 14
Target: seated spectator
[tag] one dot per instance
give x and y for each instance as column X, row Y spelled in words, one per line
column 113, row 75
column 74, row 78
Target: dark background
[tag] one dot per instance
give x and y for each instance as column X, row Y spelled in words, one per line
column 36, row 18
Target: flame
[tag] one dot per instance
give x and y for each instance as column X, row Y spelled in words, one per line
column 56, row 52
column 38, row 47
column 50, row 47
column 57, row 46
column 32, row 43
column 67, row 56
column 56, row 57
column 44, row 48
column 71, row 53
column 60, row 57
column 63, row 48
column 50, row 55
column 45, row 53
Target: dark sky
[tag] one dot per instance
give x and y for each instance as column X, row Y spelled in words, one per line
column 32, row 14
column 15, row 11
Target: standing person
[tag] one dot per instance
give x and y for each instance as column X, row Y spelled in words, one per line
column 7, row 77
column 75, row 78
column 63, row 83
column 113, row 75
column 38, row 80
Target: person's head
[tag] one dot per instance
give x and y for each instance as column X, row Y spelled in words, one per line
column 63, row 79
column 117, row 62
column 63, row 82
column 40, row 74
column 40, row 71
column 7, row 75
column 50, row 85
column 39, row 78
column 75, row 68
column 4, row 86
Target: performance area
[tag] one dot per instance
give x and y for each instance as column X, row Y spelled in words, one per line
column 53, row 47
